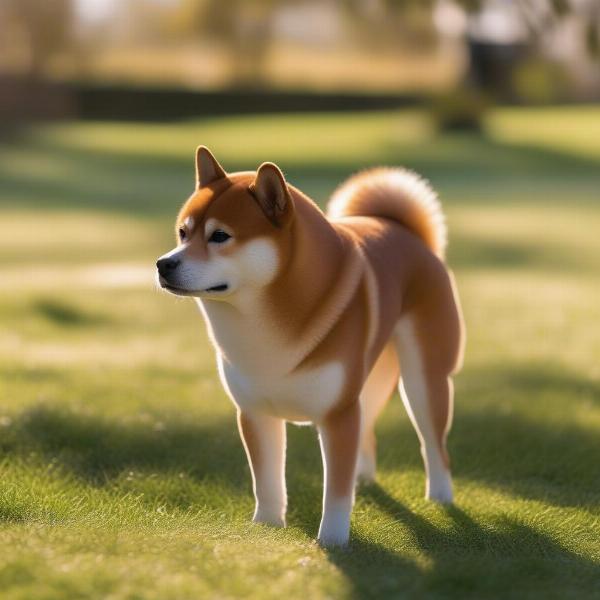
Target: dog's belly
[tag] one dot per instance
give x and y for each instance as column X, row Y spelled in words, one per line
column 304, row 396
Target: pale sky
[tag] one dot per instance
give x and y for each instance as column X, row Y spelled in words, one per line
column 97, row 10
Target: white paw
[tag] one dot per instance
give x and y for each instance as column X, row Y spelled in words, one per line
column 269, row 517
column 331, row 539
column 335, row 528
column 365, row 469
column 439, row 488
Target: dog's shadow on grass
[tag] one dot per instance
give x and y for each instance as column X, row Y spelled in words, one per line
column 514, row 450
column 505, row 558
column 526, row 457
column 98, row 450
column 464, row 559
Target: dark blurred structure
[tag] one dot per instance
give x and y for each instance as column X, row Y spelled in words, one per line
column 26, row 98
column 33, row 31
column 153, row 58
column 119, row 102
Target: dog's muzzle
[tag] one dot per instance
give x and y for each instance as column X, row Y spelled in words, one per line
column 166, row 266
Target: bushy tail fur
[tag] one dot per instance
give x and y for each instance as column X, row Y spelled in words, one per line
column 397, row 194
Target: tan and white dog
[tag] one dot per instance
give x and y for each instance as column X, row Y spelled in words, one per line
column 313, row 318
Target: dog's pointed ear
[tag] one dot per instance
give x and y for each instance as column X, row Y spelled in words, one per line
column 208, row 168
column 271, row 192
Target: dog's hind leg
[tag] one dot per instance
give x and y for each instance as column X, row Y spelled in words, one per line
column 426, row 391
column 376, row 392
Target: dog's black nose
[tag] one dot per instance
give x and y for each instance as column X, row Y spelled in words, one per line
column 166, row 265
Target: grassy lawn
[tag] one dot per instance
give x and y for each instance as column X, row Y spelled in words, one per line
column 121, row 472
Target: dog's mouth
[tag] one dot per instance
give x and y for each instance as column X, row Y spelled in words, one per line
column 221, row 287
column 174, row 289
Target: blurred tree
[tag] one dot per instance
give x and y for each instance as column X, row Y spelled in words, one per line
column 500, row 37
column 499, row 33
column 144, row 21
column 503, row 35
column 244, row 27
column 43, row 28
column 384, row 24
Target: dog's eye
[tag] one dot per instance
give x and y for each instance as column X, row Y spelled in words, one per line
column 182, row 234
column 219, row 236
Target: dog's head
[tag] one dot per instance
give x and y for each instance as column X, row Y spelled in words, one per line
column 231, row 233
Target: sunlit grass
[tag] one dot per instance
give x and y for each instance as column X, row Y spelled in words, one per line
column 120, row 468
column 571, row 130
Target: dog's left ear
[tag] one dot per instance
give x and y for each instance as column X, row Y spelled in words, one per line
column 271, row 192
column 208, row 168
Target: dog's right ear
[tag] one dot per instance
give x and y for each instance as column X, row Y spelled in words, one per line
column 208, row 168
column 271, row 192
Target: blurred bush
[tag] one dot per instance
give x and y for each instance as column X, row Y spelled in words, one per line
column 538, row 81
column 460, row 110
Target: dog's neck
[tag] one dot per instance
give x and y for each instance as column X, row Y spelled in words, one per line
column 278, row 326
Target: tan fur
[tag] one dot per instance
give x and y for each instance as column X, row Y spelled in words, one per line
column 374, row 395
column 396, row 194
column 363, row 289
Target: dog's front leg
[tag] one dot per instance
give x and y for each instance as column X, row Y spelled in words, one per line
column 339, row 436
column 264, row 440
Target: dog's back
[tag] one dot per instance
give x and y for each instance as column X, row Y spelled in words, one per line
column 395, row 217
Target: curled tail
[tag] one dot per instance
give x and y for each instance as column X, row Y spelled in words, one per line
column 397, row 194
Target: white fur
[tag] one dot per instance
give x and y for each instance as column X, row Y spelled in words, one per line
column 269, row 488
column 256, row 363
column 243, row 331
column 253, row 266
column 334, row 529
column 302, row 396
column 413, row 389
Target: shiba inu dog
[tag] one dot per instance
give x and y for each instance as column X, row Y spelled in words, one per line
column 317, row 318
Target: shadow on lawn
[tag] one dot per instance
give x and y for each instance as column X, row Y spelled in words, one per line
column 149, row 185
column 505, row 445
column 99, row 450
column 495, row 443
column 66, row 315
column 506, row 558
column 467, row 560
column 488, row 172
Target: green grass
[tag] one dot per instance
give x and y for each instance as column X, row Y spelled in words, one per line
column 121, row 473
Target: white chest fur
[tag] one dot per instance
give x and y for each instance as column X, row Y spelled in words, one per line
column 257, row 364
column 257, row 369
column 303, row 396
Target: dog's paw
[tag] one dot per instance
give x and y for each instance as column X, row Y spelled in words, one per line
column 335, row 528
column 365, row 470
column 332, row 539
column 439, row 489
column 264, row 517
column 441, row 497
